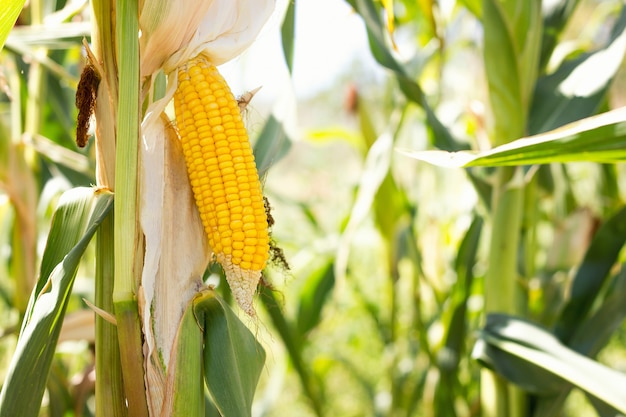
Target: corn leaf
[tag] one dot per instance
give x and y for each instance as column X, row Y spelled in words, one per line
column 293, row 345
column 464, row 266
column 474, row 6
column 556, row 14
column 76, row 219
column 578, row 87
column 287, row 33
column 600, row 138
column 312, row 298
column 592, row 274
column 9, row 12
column 271, row 145
column 589, row 337
column 442, row 138
column 233, row 358
column 534, row 359
column 595, row 330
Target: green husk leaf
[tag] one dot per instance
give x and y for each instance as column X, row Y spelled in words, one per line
column 80, row 212
column 233, row 358
column 187, row 371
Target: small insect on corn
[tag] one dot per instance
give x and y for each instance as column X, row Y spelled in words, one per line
column 223, row 175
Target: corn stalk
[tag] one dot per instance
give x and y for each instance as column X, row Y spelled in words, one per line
column 511, row 54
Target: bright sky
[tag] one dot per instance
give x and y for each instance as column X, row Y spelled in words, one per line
column 329, row 37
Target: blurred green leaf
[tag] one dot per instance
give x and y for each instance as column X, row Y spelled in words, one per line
column 592, row 274
column 76, row 219
column 534, row 359
column 233, row 358
column 287, row 32
column 600, row 138
column 271, row 145
column 292, row 345
column 511, row 53
column 556, row 14
column 376, row 35
column 464, row 266
column 8, row 16
column 578, row 87
column 589, row 338
column 312, row 298
column 474, row 6
column 594, row 332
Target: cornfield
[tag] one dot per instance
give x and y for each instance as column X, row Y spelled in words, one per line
column 438, row 232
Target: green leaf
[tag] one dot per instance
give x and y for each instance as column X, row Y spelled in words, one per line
column 589, row 338
column 233, row 358
column 594, row 332
column 474, row 6
column 9, row 13
column 533, row 358
column 76, row 219
column 293, row 346
column 464, row 266
column 592, row 274
column 287, row 31
column 271, row 145
column 600, row 138
column 442, row 138
column 578, row 87
column 312, row 298
column 556, row 14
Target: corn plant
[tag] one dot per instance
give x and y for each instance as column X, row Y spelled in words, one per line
column 159, row 327
column 408, row 296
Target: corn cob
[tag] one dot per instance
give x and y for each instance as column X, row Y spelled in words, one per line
column 223, row 175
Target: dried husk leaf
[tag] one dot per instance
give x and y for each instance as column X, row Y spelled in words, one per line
column 177, row 251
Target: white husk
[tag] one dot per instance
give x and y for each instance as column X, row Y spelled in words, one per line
column 176, row 248
column 172, row 31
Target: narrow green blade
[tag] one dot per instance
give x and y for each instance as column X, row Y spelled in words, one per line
column 80, row 212
column 287, row 31
column 312, row 298
column 592, row 274
column 9, row 12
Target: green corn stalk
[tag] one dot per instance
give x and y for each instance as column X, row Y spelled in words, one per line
column 511, row 54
